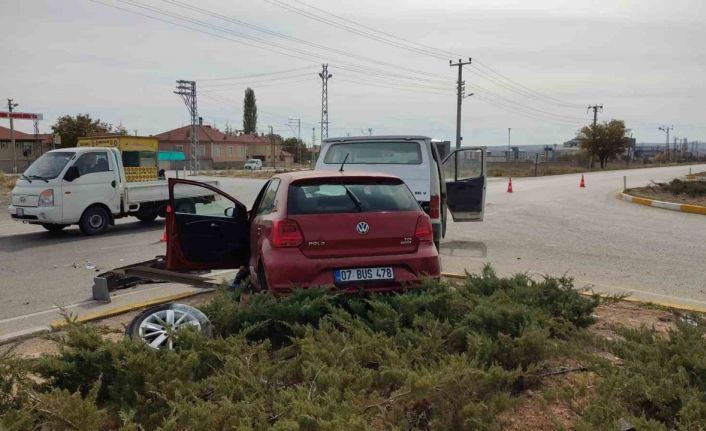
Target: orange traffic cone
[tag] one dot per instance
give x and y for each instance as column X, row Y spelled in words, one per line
column 509, row 186
column 164, row 234
column 582, row 184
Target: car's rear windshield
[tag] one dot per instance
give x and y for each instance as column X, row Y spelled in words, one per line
column 391, row 153
column 351, row 196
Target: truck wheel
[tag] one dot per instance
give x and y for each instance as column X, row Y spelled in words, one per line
column 186, row 206
column 94, row 221
column 147, row 217
column 53, row 227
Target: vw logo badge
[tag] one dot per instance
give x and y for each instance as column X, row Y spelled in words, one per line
column 362, row 228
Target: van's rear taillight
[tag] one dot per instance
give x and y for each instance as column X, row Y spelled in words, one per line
column 435, row 207
column 286, row 233
column 424, row 232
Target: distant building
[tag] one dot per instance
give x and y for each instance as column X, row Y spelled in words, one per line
column 28, row 148
column 572, row 143
column 220, row 151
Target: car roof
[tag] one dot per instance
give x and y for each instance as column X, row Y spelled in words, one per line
column 378, row 138
column 302, row 175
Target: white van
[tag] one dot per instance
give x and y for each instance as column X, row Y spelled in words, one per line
column 456, row 183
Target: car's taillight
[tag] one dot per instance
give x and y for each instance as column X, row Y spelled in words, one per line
column 286, row 233
column 424, row 232
column 435, row 207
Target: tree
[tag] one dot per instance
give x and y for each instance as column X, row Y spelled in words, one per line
column 293, row 145
column 604, row 140
column 249, row 112
column 71, row 128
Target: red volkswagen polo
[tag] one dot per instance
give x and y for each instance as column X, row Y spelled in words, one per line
column 350, row 230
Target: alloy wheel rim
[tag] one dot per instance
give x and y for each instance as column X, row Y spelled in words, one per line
column 158, row 328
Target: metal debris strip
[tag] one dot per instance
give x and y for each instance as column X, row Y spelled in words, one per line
column 151, row 271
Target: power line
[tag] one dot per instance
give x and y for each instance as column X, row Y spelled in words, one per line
column 270, row 46
column 256, row 75
column 400, row 42
column 235, row 84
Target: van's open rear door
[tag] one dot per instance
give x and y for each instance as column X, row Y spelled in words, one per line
column 464, row 174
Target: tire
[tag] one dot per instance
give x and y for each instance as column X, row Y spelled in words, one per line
column 155, row 326
column 53, row 227
column 444, row 218
column 147, row 218
column 94, row 221
column 186, row 206
column 262, row 278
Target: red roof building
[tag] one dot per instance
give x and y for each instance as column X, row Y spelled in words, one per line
column 28, row 148
column 218, row 150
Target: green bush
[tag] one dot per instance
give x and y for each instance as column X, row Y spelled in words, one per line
column 443, row 357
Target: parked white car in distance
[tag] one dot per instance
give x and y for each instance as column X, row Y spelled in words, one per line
column 253, row 164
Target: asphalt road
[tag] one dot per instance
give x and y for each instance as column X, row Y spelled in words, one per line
column 548, row 226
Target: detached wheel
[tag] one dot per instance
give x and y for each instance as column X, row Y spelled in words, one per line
column 157, row 326
column 94, row 221
column 54, row 227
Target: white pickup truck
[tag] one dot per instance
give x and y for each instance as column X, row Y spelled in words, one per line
column 87, row 186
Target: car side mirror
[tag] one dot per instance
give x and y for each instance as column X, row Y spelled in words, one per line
column 229, row 212
column 71, row 174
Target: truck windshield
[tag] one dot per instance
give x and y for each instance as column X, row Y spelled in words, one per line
column 392, row 153
column 49, row 165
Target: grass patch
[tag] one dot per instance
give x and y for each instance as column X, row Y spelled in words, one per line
column 678, row 191
column 7, row 182
column 446, row 357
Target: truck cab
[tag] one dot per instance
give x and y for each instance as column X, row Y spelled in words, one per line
column 69, row 186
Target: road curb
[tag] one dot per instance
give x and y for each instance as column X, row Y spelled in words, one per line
column 59, row 324
column 130, row 307
column 673, row 206
column 672, row 305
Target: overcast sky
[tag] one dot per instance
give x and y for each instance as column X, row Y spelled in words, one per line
column 644, row 60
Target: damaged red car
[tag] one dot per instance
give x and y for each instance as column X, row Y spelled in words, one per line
column 315, row 228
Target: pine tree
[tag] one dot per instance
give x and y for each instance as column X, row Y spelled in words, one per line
column 249, row 112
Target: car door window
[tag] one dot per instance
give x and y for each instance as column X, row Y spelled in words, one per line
column 198, row 200
column 268, row 203
column 463, row 165
column 92, row 162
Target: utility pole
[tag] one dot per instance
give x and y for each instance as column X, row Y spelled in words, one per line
column 10, row 106
column 297, row 122
column 460, row 88
column 187, row 91
column 313, row 145
column 508, row 137
column 272, row 148
column 595, row 108
column 667, row 129
column 325, row 76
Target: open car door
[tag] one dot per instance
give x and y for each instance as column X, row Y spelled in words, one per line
column 206, row 228
column 464, row 174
